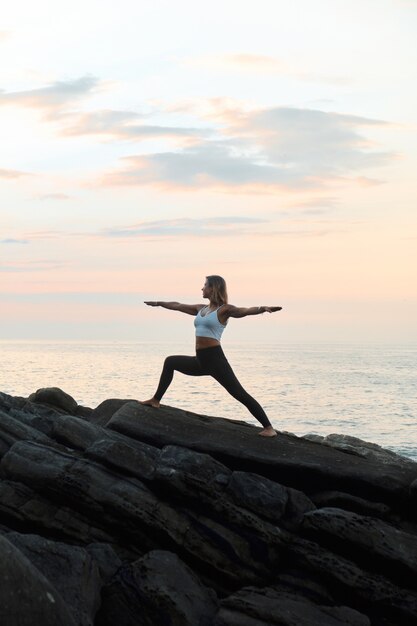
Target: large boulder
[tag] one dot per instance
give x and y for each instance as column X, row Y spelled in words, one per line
column 70, row 569
column 55, row 397
column 157, row 589
column 384, row 601
column 105, row 411
column 12, row 430
column 391, row 551
column 26, row 596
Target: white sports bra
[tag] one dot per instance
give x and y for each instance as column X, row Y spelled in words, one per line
column 208, row 325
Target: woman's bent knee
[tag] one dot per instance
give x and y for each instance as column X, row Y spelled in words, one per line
column 169, row 362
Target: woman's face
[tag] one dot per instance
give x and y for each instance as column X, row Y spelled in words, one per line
column 207, row 290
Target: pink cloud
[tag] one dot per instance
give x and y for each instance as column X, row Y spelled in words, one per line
column 12, row 174
column 263, row 149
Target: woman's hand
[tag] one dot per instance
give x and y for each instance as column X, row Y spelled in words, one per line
column 269, row 309
column 190, row 309
column 228, row 310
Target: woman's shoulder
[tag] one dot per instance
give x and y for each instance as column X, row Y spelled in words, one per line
column 223, row 312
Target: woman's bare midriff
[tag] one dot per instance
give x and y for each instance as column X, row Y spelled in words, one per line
column 205, row 342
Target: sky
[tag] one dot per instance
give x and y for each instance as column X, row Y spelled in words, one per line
column 146, row 145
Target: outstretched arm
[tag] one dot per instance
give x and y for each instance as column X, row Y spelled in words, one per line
column 190, row 309
column 234, row 311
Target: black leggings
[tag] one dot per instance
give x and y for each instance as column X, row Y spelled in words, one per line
column 210, row 362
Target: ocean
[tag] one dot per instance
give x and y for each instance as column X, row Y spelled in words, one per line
column 368, row 391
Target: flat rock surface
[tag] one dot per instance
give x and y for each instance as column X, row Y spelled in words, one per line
column 292, row 460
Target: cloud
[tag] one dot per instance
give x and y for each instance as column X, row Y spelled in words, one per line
column 203, row 227
column 207, row 165
column 260, row 150
column 54, row 98
column 325, row 202
column 31, row 266
column 310, row 206
column 11, row 240
column 58, row 100
column 4, row 35
column 272, row 148
column 122, row 125
column 54, row 196
column 46, row 234
column 12, row 174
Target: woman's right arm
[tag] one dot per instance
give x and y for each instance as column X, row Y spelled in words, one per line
column 190, row 309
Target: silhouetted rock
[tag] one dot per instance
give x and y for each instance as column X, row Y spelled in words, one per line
column 376, row 595
column 56, row 397
column 26, row 596
column 251, row 606
column 157, row 589
column 125, row 515
column 104, row 411
column 370, row 541
column 349, row 502
column 70, row 569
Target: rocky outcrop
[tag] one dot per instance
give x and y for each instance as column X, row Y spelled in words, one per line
column 129, row 515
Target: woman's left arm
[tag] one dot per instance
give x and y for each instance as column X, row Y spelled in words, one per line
column 233, row 311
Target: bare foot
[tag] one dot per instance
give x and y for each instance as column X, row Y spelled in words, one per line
column 267, row 432
column 152, row 402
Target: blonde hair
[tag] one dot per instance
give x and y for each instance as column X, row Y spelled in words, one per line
column 218, row 284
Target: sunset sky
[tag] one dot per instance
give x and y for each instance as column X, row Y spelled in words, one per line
column 147, row 144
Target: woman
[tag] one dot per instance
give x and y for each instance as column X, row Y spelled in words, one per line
column 210, row 321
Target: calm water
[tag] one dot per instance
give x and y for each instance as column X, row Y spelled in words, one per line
column 364, row 391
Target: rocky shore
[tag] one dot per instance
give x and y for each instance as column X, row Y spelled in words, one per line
column 125, row 515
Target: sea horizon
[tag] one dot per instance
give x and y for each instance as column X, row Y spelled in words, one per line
column 365, row 391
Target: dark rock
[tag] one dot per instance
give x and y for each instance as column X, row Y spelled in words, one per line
column 202, row 467
column 369, row 592
column 55, row 397
column 92, row 490
column 12, row 430
column 76, row 433
column 289, row 460
column 70, row 569
column 284, row 608
column 84, row 411
column 139, row 518
column 93, row 506
column 8, row 402
column 105, row 446
column 157, row 589
column 359, row 447
column 339, row 500
column 413, row 492
column 127, row 458
column 272, row 501
column 372, row 541
column 26, row 596
column 300, row 583
column 38, row 416
column 106, row 559
column 200, row 482
column 25, row 510
column 105, row 411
